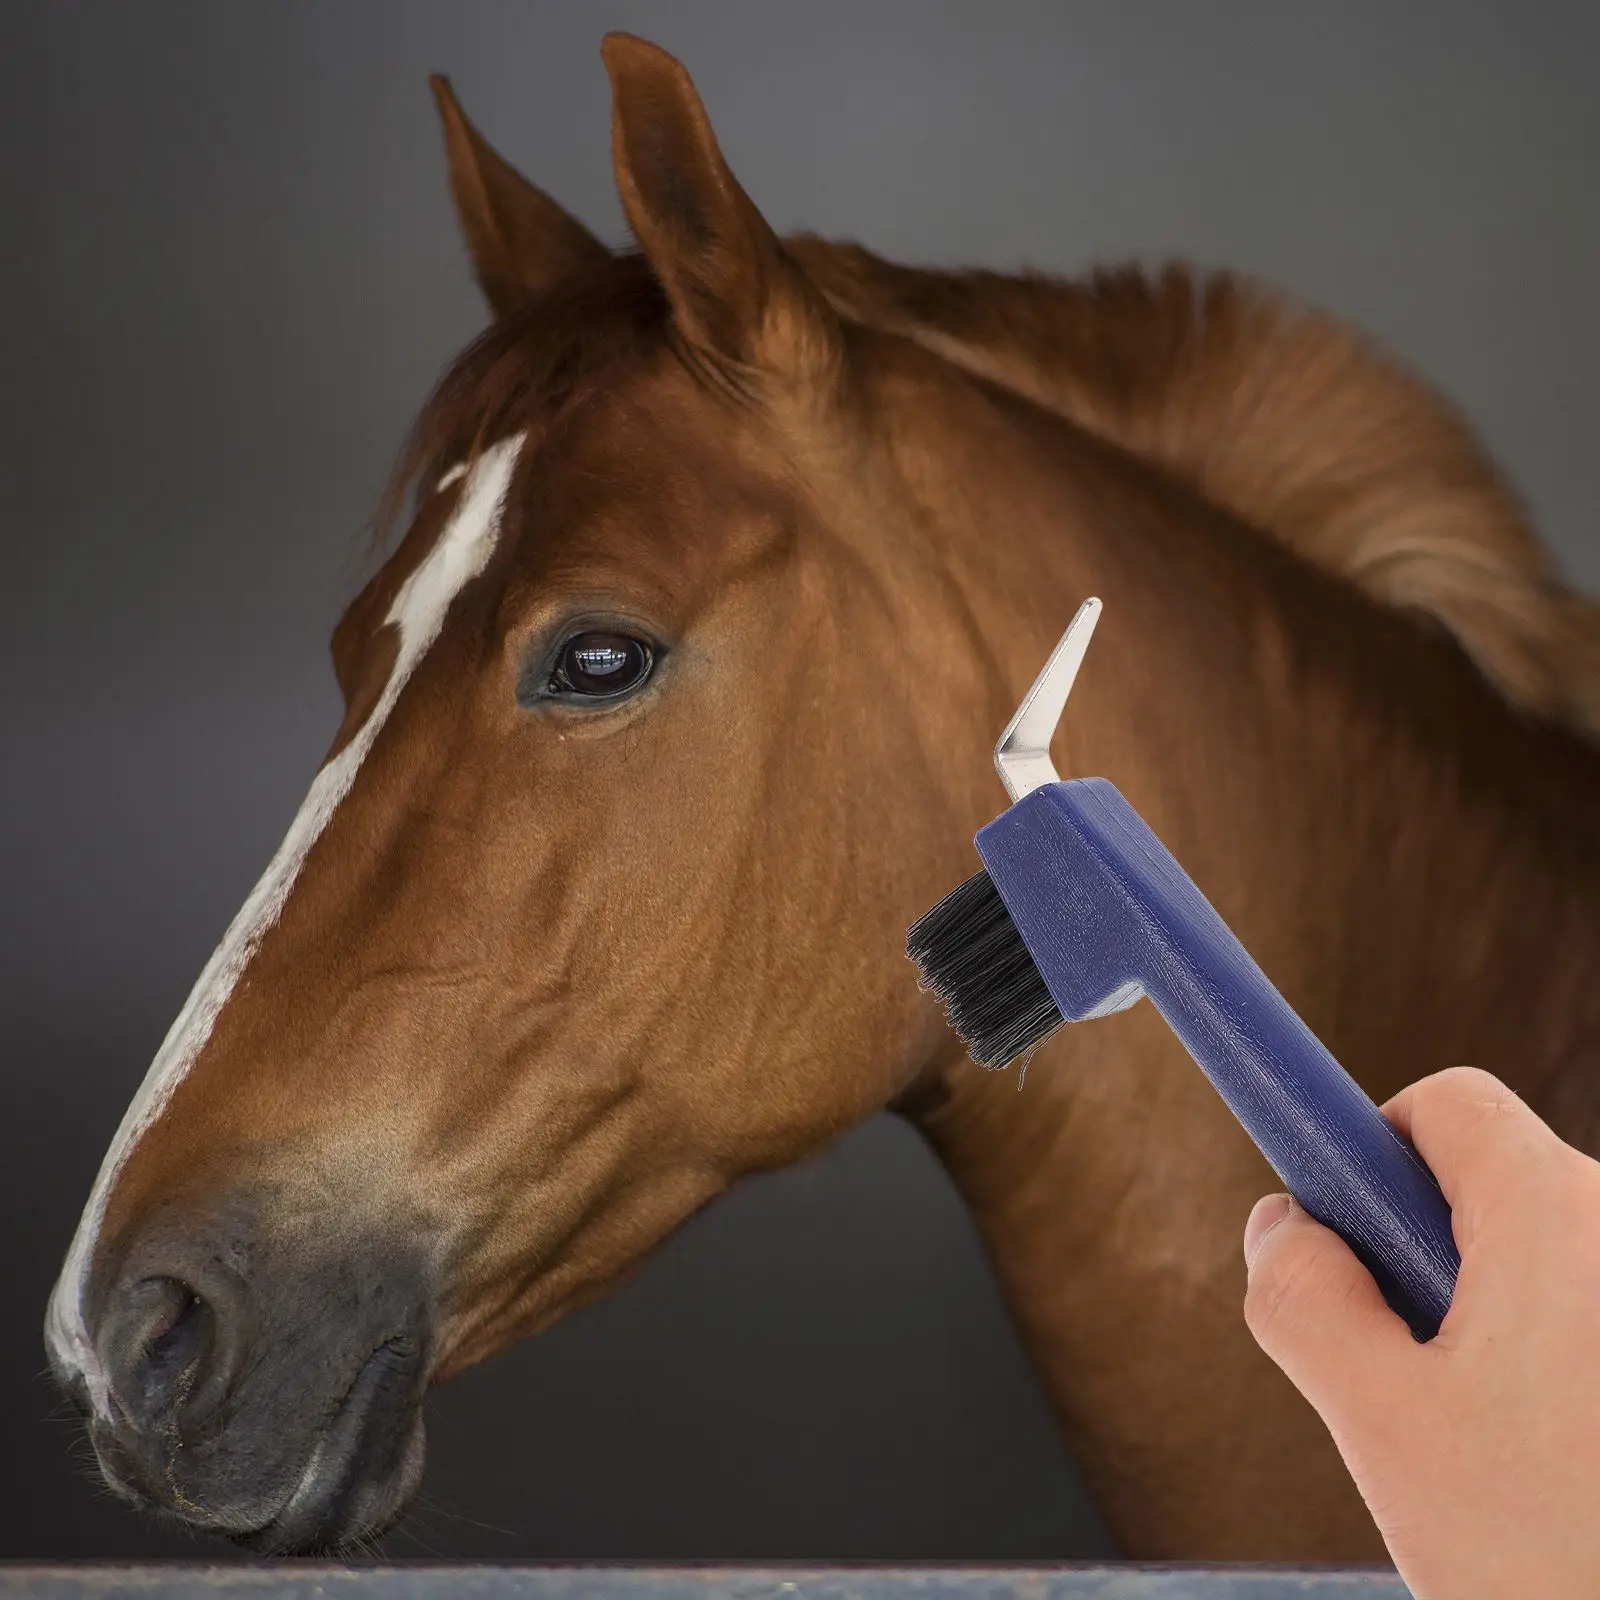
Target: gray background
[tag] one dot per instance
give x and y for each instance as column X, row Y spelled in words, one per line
column 230, row 274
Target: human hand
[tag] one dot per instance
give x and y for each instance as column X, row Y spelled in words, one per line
column 1478, row 1453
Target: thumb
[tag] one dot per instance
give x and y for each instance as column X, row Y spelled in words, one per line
column 1315, row 1309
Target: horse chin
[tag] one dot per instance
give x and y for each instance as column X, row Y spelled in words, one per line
column 356, row 1484
column 363, row 1469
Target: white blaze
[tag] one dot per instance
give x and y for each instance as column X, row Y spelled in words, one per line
column 419, row 609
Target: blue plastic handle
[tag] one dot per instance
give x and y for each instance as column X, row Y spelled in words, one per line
column 1108, row 915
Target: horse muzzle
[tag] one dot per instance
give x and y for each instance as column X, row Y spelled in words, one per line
column 261, row 1383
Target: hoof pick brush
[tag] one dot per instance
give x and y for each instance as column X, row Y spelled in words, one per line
column 1080, row 911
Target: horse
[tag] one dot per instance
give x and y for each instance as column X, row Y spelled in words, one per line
column 726, row 559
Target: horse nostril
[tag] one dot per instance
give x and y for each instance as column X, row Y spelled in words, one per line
column 165, row 1348
column 180, row 1334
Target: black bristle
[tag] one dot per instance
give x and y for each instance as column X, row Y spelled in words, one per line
column 972, row 957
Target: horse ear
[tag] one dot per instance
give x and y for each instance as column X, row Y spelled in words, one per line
column 521, row 242
column 736, row 293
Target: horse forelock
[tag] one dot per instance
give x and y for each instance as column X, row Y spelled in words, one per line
column 528, row 371
column 417, row 613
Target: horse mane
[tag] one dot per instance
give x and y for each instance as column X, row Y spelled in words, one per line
column 1284, row 417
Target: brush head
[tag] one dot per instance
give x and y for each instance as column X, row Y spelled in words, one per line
column 971, row 956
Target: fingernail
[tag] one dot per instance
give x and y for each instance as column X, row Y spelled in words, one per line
column 1266, row 1214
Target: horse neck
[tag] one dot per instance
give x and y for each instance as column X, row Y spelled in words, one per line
column 1406, row 855
column 1409, row 857
column 1267, row 686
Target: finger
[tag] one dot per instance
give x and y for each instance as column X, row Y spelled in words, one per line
column 1482, row 1141
column 1316, row 1311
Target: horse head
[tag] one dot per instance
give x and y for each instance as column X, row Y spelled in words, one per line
column 598, row 901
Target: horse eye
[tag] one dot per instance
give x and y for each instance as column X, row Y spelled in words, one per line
column 600, row 666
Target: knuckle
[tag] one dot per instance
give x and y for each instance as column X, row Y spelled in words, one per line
column 1475, row 1090
column 1263, row 1302
column 1294, row 1276
column 1494, row 1099
column 1464, row 1113
column 1457, row 1086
